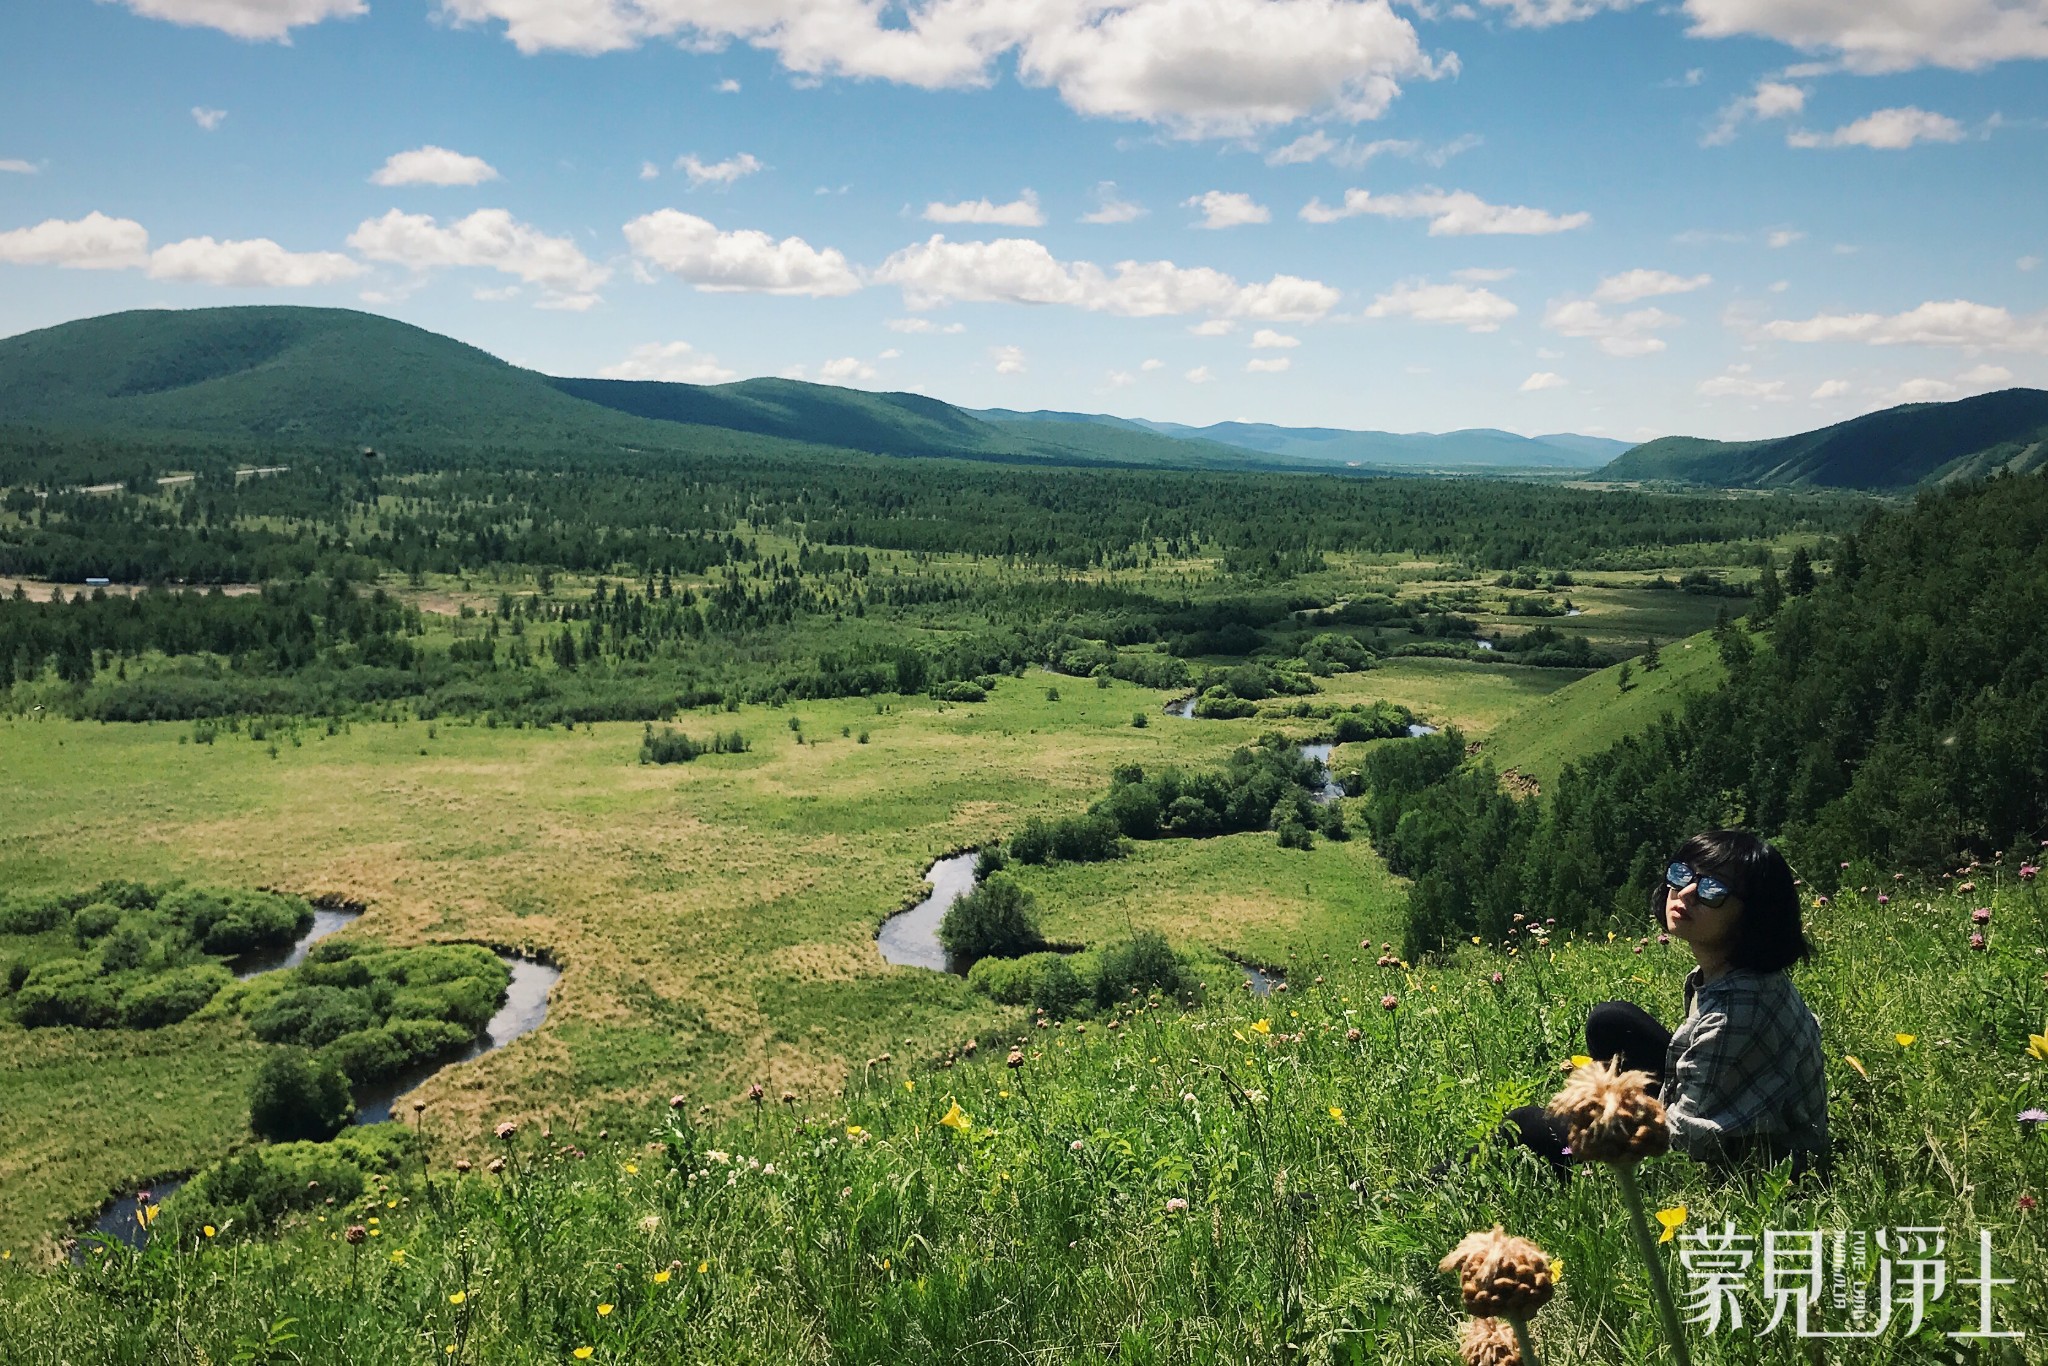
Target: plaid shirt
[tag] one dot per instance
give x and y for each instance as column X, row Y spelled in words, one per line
column 1745, row 1064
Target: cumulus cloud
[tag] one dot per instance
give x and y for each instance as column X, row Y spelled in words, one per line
column 1120, row 379
column 1918, row 391
column 1631, row 285
column 1109, row 208
column 255, row 264
column 694, row 250
column 1769, row 100
column 1831, row 388
column 1482, row 275
column 1738, row 382
column 1351, row 154
column 489, row 238
column 1886, row 35
column 1268, row 365
column 1266, row 339
column 720, row 173
column 675, row 362
column 431, row 165
column 14, row 166
column 1199, row 67
column 1985, row 375
column 1214, row 327
column 1475, row 310
column 1457, row 213
column 1541, row 380
column 846, row 370
column 1953, row 322
column 1629, row 334
column 94, row 242
column 1019, row 270
column 1784, row 237
column 256, row 20
column 1226, row 209
column 1021, row 212
column 728, row 87
column 1886, row 130
column 1199, row 375
column 1545, row 13
column 2028, row 262
column 922, row 325
column 1009, row 359
column 208, row 119
column 1152, row 363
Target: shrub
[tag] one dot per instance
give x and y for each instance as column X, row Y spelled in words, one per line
column 22, row 913
column 966, row 690
column 996, row 919
column 67, row 991
column 171, row 996
column 1011, row 981
column 1144, row 961
column 378, row 1054
column 1140, row 720
column 250, row 1193
column 298, row 1095
column 1058, row 989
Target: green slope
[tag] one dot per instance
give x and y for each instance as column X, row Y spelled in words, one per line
column 1898, row 448
column 1591, row 713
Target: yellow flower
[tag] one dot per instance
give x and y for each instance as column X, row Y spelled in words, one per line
column 1905, row 1040
column 1005, row 1095
column 1262, row 1026
column 703, row 1267
column 583, row 1353
column 854, row 1131
column 1671, row 1219
column 1557, row 1270
column 885, row 1263
column 1337, row 1113
column 1856, row 1063
column 1610, row 936
column 603, row 1310
column 458, row 1297
column 208, row 1229
column 449, row 1349
column 1475, row 939
column 7, row 1256
column 376, row 1233
column 955, row 1117
column 2037, row 1046
column 1581, row 1060
column 661, row 1276
column 390, row 1204
column 398, row 1257
column 632, row 1169
column 909, row 1085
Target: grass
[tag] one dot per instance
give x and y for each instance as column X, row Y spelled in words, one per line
column 1474, row 697
column 1245, row 1182
column 715, row 919
column 1592, row 713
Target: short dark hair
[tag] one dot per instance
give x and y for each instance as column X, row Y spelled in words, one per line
column 1769, row 937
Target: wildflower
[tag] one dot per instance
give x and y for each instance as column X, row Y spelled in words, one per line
column 1353, row 1035
column 1076, row 1146
column 1489, row 1342
column 583, row 1353
column 458, row 1297
column 1966, row 887
column 604, row 1310
column 497, row 1165
column 789, row 1097
column 208, row 1229
column 506, row 1130
column 462, row 1164
column 1498, row 978
column 2030, row 1117
column 1663, row 939
column 1905, row 1040
column 1262, row 1026
column 1499, row 1275
column 354, row 1234
column 678, row 1102
column 1883, row 900
column 2037, row 1047
column 1672, row 1219
column 1176, row 1206
column 1977, row 941
column 1016, row 1058
column 955, row 1118
column 1981, row 916
column 398, row 1256
column 2026, row 1203
column 1610, row 1116
column 1856, row 1063
column 1581, row 1060
column 1337, row 1113
column 1388, row 1002
column 661, row 1276
column 909, row 1085
column 2028, row 872
column 855, row 1132
column 1475, row 939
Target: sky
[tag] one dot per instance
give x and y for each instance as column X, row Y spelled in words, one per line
column 1725, row 218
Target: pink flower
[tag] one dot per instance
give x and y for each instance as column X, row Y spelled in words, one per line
column 1966, row 887
column 1663, row 939
column 1981, row 916
column 1976, row 941
column 1176, row 1206
column 506, row 1130
column 2028, row 872
column 1883, row 900
column 1388, row 1002
column 1498, row 978
column 1352, row 1035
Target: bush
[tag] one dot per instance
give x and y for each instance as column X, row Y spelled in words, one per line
column 378, row 1054
column 966, row 690
column 299, row 1095
column 1140, row 720
column 67, row 991
column 169, row 997
column 996, row 919
column 1092, row 838
column 1058, row 990
column 1144, row 961
column 22, row 913
column 1011, row 981
column 251, row 1193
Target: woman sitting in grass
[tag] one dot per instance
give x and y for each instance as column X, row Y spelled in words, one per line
column 1742, row 1073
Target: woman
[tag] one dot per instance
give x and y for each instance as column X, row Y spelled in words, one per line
column 1742, row 1073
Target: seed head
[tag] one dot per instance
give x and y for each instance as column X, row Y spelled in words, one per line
column 1489, row 1342
column 1016, row 1058
column 354, row 1234
column 757, row 1093
column 1500, row 1275
column 506, row 1130
column 1609, row 1115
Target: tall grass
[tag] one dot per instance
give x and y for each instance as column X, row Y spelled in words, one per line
column 1250, row 1181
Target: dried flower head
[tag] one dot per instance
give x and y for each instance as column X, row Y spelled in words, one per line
column 354, row 1234
column 497, row 1165
column 1489, row 1342
column 1500, row 1275
column 462, row 1164
column 506, row 1130
column 757, row 1093
column 1016, row 1058
column 1609, row 1115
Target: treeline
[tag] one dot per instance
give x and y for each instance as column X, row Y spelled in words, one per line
column 1896, row 706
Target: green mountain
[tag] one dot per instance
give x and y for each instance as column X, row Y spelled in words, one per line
column 1917, row 443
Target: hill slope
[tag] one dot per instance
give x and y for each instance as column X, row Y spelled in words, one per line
column 1901, row 447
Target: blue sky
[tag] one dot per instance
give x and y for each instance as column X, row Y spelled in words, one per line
column 1723, row 217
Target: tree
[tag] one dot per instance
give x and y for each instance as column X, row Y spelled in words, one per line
column 1652, row 661
column 1770, row 594
column 1625, row 679
column 299, row 1095
column 996, row 919
column 1799, row 578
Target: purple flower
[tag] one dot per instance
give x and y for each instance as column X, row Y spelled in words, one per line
column 1883, row 900
column 2030, row 1117
column 1976, row 941
column 1981, row 916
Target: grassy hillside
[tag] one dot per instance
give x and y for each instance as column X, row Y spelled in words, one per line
column 1592, row 713
column 1898, row 448
column 1247, row 1182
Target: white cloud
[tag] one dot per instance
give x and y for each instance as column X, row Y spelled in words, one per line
column 1120, row 379
column 570, row 303
column 1886, row 130
column 1736, row 382
column 675, row 362
column 1626, row 335
column 493, row 296
column 1266, row 339
column 1631, row 285
column 431, row 165
column 1831, row 388
column 1768, row 100
column 1021, row 212
column 1268, row 365
column 921, row 325
column 1455, row 214
column 1954, row 322
column 1544, row 13
column 720, row 173
column 1152, row 363
column 1482, row 275
column 1009, row 359
column 252, row 19
column 208, row 119
column 489, row 238
column 1199, row 375
column 12, row 166
column 1541, row 380
column 1227, row 209
column 891, row 354
column 1886, row 35
column 728, row 87
column 692, row 249
column 2028, row 262
column 1917, row 391
column 846, row 370
column 1985, row 375
column 1111, row 209
column 1200, row 67
column 256, row 264
column 94, row 242
column 1352, row 154
column 1214, row 327
column 1019, row 270
column 1784, row 237
column 1779, row 286
column 1475, row 310
column 649, row 171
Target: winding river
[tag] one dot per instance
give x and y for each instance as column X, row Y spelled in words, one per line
column 524, row 1007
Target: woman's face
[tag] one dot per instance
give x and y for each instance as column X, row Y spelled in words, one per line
column 1698, row 924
